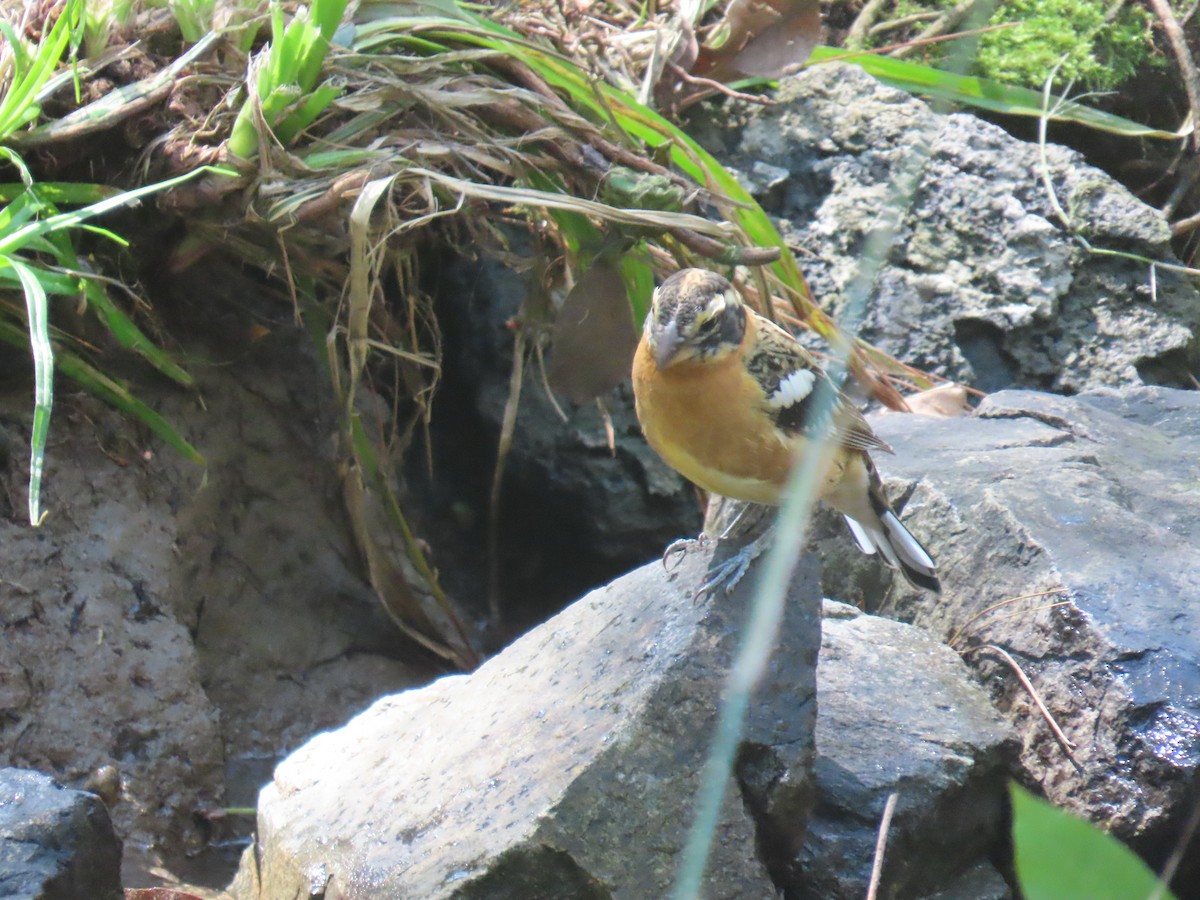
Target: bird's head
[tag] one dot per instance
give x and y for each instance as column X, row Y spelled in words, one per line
column 695, row 315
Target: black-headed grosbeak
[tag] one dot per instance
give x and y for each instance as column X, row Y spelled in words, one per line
column 724, row 396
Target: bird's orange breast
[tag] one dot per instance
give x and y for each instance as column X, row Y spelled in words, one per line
column 707, row 421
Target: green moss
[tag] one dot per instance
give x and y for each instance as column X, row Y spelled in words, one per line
column 1096, row 54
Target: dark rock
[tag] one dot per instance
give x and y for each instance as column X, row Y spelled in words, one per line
column 1095, row 500
column 567, row 766
column 573, row 513
column 984, row 285
column 981, row 883
column 898, row 712
column 55, row 843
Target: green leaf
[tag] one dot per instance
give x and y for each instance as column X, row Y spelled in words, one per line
column 1061, row 857
column 986, row 94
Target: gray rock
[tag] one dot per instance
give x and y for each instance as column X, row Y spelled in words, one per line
column 566, row 766
column 984, row 285
column 1097, row 499
column 899, row 712
column 55, row 843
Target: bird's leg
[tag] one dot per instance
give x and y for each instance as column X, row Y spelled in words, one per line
column 744, row 521
column 746, row 518
column 728, row 572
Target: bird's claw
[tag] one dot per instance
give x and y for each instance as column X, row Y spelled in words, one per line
column 676, row 550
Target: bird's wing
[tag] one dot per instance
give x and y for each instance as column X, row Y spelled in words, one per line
column 788, row 376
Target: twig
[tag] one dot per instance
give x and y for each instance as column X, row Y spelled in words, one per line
column 1182, row 226
column 1186, row 179
column 507, row 427
column 1183, row 57
column 541, row 360
column 948, row 21
column 902, row 22
column 856, row 37
column 995, row 606
column 1068, row 746
column 716, row 86
column 729, row 254
column 916, row 42
column 885, row 822
column 609, row 432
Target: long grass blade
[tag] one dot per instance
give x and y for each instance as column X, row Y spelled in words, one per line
column 108, row 390
column 986, row 94
column 43, row 376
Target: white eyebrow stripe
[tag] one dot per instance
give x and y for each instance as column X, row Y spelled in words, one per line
column 793, row 389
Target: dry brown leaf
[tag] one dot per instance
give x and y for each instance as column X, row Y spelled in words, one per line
column 766, row 39
column 594, row 337
column 946, row 401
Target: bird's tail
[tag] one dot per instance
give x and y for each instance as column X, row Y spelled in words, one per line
column 884, row 532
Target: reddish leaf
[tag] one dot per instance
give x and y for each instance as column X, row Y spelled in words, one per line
column 765, row 38
column 594, row 336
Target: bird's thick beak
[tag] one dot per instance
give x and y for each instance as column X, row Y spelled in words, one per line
column 667, row 345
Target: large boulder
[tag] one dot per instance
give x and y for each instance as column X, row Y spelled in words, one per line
column 1066, row 532
column 984, row 283
column 55, row 843
column 567, row 766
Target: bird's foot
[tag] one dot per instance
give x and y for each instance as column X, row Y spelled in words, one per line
column 676, row 550
column 728, row 572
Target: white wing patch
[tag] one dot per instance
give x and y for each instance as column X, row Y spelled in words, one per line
column 793, row 389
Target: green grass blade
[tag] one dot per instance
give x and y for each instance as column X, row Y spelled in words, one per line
column 67, row 193
column 306, row 112
column 43, row 375
column 119, row 325
column 119, row 396
column 638, row 275
column 986, row 94
column 21, row 236
column 19, row 104
column 108, row 390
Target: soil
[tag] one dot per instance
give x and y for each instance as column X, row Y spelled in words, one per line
column 187, row 625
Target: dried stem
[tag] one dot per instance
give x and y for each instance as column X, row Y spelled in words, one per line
column 946, row 23
column 1068, row 746
column 1184, row 59
column 507, row 427
column 885, row 822
column 856, row 37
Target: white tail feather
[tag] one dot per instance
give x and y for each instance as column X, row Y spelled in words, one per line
column 861, row 536
column 905, row 544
